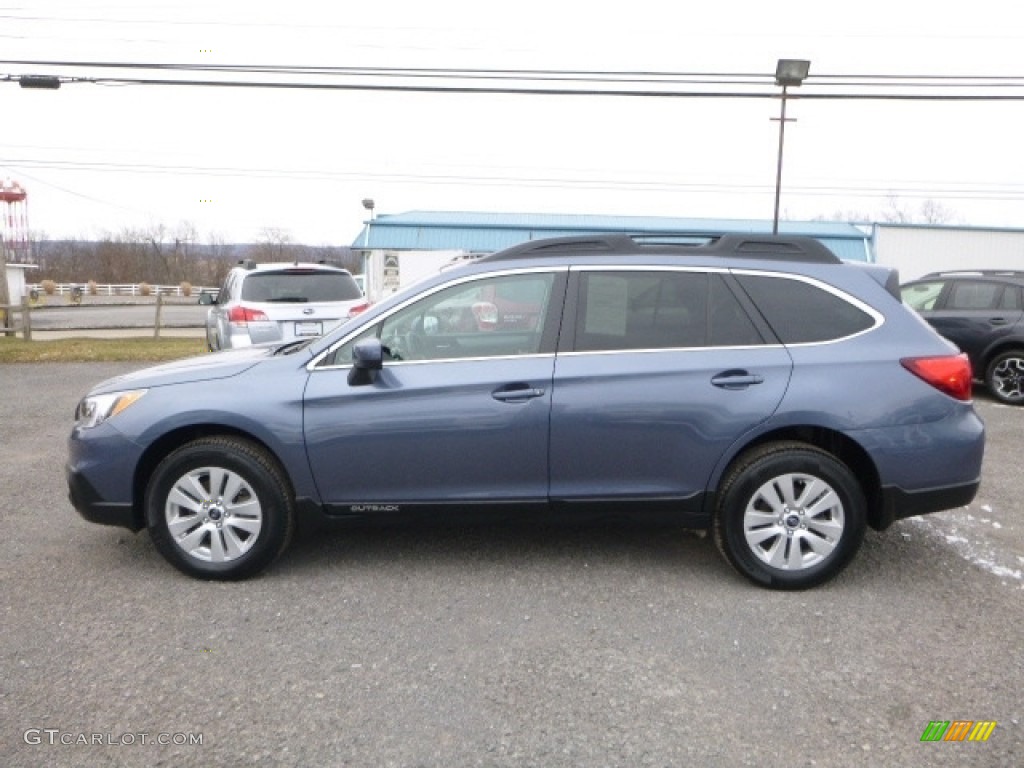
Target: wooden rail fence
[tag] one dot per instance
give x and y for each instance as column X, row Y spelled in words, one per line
column 9, row 327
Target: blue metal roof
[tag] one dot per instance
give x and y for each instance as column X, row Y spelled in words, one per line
column 487, row 232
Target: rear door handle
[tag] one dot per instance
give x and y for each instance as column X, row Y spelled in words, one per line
column 736, row 379
column 517, row 394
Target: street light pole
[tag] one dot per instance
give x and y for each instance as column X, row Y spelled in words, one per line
column 788, row 72
column 778, row 171
column 369, row 205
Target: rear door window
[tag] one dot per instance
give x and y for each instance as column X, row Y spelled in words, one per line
column 970, row 294
column 658, row 309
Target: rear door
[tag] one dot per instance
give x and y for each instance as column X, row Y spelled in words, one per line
column 974, row 314
column 659, row 372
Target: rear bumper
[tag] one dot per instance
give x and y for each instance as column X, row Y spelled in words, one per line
column 898, row 504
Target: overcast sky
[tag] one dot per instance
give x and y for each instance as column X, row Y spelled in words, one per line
column 234, row 161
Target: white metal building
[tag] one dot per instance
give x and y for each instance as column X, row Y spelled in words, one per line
column 917, row 249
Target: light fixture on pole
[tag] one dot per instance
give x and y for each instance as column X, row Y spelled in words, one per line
column 46, row 82
column 369, row 205
column 788, row 72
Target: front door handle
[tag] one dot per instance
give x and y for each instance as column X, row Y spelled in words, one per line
column 516, row 393
column 736, row 379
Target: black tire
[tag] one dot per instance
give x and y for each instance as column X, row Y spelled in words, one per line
column 789, row 546
column 220, row 508
column 1004, row 377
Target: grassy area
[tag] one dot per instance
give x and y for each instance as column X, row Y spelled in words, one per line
column 13, row 350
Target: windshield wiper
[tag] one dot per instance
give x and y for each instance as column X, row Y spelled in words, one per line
column 294, row 346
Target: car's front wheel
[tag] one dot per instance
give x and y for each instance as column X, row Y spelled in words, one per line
column 1005, row 377
column 219, row 508
column 789, row 516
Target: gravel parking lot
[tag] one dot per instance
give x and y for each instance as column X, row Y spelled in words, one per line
column 497, row 645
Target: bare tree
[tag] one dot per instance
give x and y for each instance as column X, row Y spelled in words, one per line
column 218, row 257
column 933, row 212
column 847, row 215
column 273, row 244
column 929, row 212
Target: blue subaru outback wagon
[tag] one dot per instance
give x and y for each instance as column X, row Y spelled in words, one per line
column 754, row 386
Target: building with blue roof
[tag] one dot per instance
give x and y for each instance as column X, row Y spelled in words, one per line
column 487, row 232
column 401, row 248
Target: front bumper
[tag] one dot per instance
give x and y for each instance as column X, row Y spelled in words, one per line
column 100, row 470
column 85, row 499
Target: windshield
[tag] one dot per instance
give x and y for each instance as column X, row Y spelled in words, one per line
column 298, row 286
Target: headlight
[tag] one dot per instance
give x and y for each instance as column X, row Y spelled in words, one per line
column 96, row 409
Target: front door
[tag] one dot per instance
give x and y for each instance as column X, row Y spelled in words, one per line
column 460, row 411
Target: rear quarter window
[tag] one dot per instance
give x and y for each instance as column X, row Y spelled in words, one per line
column 803, row 313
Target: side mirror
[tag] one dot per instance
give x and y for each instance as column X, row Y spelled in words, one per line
column 207, row 299
column 367, row 359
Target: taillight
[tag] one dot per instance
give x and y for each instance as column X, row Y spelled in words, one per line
column 950, row 374
column 358, row 308
column 239, row 315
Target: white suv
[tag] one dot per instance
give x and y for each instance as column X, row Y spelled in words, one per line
column 261, row 303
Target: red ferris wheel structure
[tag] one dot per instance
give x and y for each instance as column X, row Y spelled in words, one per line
column 14, row 222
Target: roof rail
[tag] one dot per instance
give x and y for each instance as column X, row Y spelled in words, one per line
column 978, row 273
column 747, row 246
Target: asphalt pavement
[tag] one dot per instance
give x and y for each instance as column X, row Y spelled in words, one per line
column 106, row 319
column 495, row 645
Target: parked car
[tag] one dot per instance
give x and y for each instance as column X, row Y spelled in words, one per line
column 982, row 312
column 754, row 386
column 264, row 303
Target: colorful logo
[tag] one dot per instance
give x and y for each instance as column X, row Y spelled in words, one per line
column 958, row 730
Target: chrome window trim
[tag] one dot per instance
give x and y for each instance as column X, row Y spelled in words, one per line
column 314, row 365
column 448, row 360
column 648, row 268
column 653, row 350
column 878, row 319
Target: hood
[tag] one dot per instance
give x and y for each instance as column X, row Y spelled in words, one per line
column 217, row 365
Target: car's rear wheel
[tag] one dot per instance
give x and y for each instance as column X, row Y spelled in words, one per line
column 1005, row 377
column 219, row 508
column 789, row 516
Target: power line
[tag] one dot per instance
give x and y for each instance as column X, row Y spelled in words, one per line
column 944, row 191
column 539, row 91
column 82, row 195
column 720, row 85
column 703, row 76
